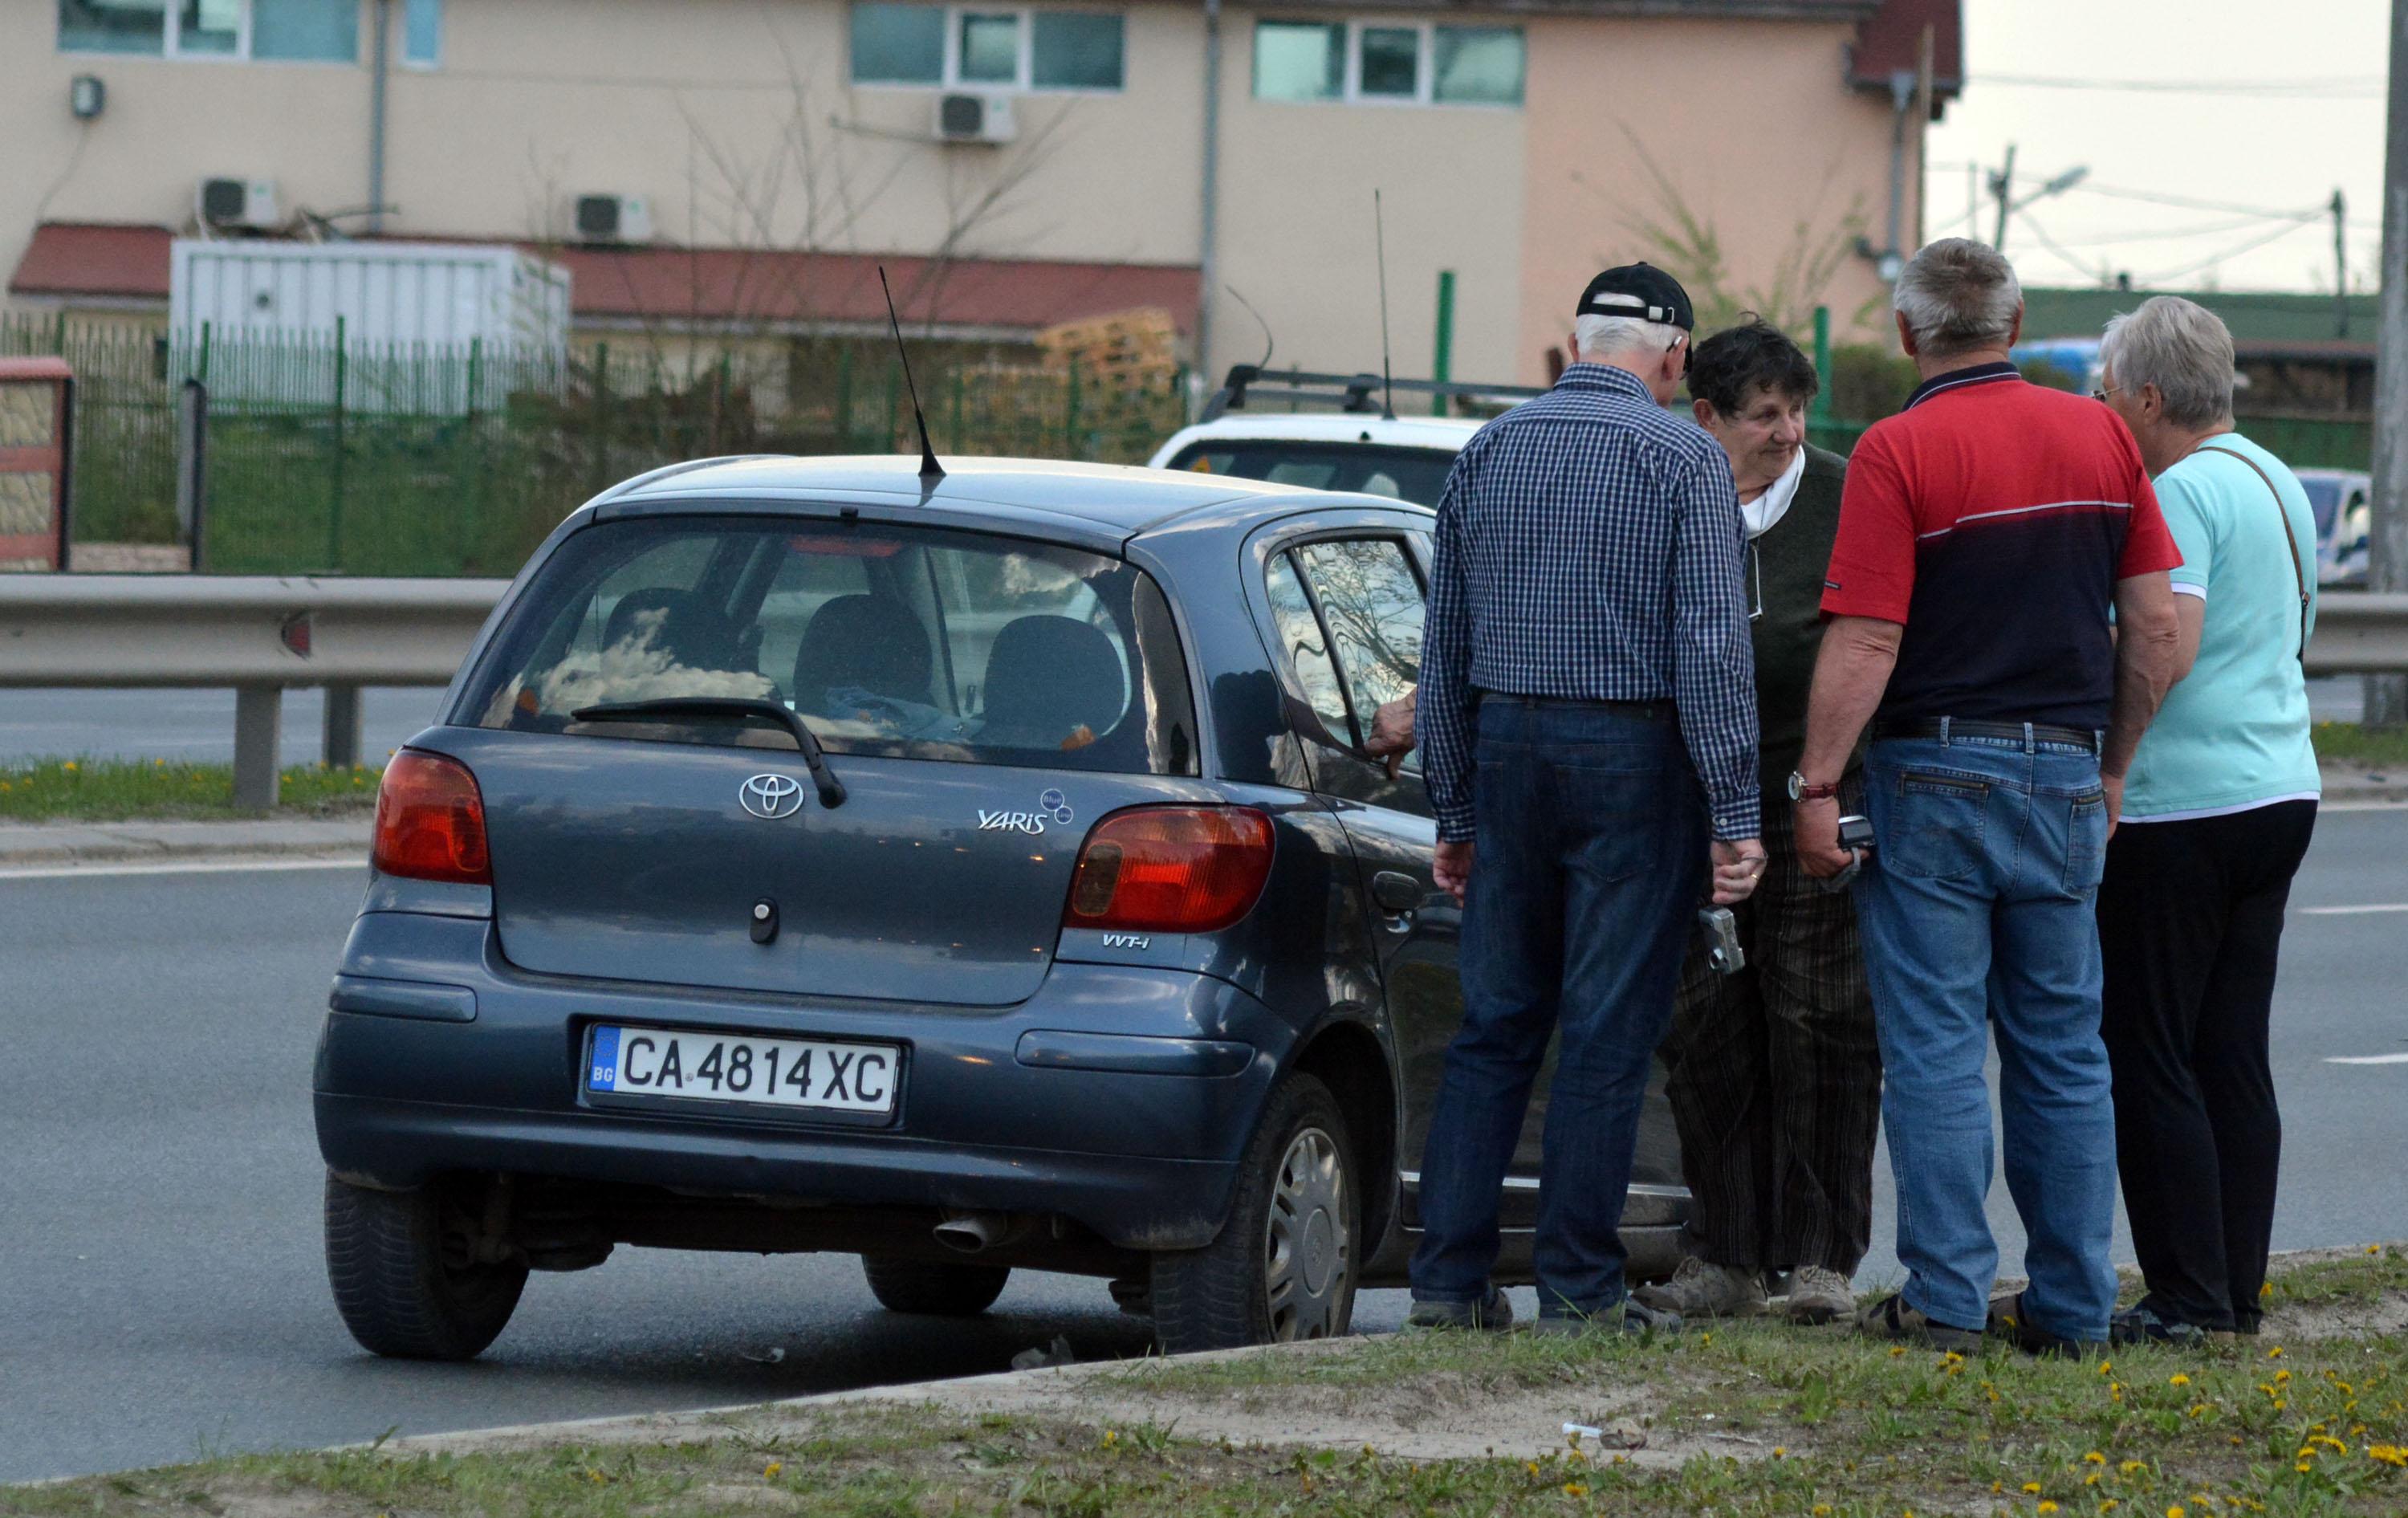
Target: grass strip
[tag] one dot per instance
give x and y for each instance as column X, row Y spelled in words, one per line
column 2354, row 744
column 1806, row 1424
column 113, row 790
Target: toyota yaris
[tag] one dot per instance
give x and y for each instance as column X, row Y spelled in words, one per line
column 970, row 875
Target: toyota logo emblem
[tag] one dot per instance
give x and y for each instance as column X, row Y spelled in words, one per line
column 771, row 797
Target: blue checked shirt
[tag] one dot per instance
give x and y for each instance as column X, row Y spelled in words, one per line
column 1590, row 545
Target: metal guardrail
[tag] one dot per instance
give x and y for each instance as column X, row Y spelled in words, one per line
column 262, row 636
column 259, row 634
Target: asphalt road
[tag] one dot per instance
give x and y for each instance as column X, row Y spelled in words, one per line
column 160, row 1289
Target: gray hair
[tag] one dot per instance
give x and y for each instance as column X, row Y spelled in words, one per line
column 1957, row 296
column 1601, row 336
column 2182, row 348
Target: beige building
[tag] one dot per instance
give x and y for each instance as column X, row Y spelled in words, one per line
column 759, row 150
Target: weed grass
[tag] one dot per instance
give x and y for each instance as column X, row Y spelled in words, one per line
column 113, row 790
column 1816, row 1424
column 2352, row 744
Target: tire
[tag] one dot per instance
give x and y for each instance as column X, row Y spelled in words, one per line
column 399, row 1294
column 1285, row 1265
column 938, row 1288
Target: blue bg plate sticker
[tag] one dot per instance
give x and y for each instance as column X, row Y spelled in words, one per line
column 603, row 1076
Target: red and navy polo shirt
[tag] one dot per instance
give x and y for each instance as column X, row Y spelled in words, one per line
column 1992, row 518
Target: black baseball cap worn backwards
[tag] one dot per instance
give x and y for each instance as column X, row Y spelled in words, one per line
column 1641, row 292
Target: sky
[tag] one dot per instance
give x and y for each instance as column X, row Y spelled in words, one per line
column 2241, row 107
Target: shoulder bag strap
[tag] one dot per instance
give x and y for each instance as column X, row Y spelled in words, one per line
column 2283, row 515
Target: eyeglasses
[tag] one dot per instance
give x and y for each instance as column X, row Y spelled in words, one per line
column 1755, row 583
column 1682, row 342
column 2102, row 395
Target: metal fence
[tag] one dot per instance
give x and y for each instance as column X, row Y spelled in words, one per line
column 328, row 456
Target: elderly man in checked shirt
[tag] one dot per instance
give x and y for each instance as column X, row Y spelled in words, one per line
column 1587, row 721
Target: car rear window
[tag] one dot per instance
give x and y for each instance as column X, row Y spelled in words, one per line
column 899, row 640
column 1402, row 474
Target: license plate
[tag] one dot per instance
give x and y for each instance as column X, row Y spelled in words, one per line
column 726, row 1067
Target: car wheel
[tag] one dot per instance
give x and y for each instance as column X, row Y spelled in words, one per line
column 403, row 1276
column 1285, row 1266
column 936, row 1287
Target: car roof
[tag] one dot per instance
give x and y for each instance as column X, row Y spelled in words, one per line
column 1101, row 503
column 2346, row 477
column 1448, row 433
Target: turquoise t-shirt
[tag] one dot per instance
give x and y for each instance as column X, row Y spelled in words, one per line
column 2233, row 733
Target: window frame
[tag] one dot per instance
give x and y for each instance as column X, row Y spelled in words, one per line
column 1350, row 89
column 949, row 78
column 427, row 64
column 171, row 49
column 1286, row 547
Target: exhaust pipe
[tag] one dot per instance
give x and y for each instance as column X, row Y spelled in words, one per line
column 973, row 1233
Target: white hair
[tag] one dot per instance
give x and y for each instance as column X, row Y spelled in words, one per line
column 2182, row 348
column 1959, row 296
column 1602, row 337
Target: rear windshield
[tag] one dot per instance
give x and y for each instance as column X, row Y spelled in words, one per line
column 1403, row 474
column 904, row 641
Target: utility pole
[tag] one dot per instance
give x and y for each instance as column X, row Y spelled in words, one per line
column 2340, row 210
column 2386, row 696
column 2002, row 185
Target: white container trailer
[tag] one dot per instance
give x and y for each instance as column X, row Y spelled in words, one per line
column 410, row 316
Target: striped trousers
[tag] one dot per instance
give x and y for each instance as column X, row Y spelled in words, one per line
column 1776, row 1076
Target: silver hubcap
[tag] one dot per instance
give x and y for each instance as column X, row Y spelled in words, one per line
column 1307, row 1240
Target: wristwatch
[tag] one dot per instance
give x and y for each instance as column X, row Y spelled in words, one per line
column 1800, row 790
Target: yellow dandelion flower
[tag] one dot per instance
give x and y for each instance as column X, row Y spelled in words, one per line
column 2177, row 1379
column 2174, row 1512
column 2046, row 1507
column 2274, row 1354
column 1997, row 1487
column 2304, row 1468
column 1111, row 1436
column 69, row 766
column 2281, row 1376
column 2280, row 1404
column 1530, row 1466
column 2390, row 1454
column 1896, row 1349
column 2105, row 1366
column 2199, row 1410
column 2031, row 1487
column 2094, row 1459
column 1780, row 1451
column 2110, row 1505
column 772, row 1468
column 2091, row 1480
column 1822, row 1510
column 1574, row 1489
column 2267, row 1290
column 2374, row 1248
column 2133, row 1468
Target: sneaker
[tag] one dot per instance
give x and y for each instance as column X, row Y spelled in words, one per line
column 2141, row 1325
column 2008, row 1321
column 1892, row 1318
column 1818, row 1295
column 1700, row 1289
column 1628, row 1316
column 1495, row 1314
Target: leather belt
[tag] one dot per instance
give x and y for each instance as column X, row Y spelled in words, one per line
column 1953, row 727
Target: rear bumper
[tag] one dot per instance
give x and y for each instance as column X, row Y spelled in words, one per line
column 1119, row 1097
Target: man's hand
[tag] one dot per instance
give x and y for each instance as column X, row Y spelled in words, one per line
column 1392, row 730
column 1817, row 823
column 1451, row 866
column 2114, row 787
column 1738, row 867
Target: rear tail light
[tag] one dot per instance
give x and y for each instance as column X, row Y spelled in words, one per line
column 430, row 821
column 1171, row 869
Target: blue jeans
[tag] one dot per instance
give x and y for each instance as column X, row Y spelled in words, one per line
column 1979, row 912
column 1587, row 873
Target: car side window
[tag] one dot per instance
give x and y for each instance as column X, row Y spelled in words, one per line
column 1372, row 602
column 1303, row 644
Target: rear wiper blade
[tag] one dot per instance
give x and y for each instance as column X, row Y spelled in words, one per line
column 671, row 708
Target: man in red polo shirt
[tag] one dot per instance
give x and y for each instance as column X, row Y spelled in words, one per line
column 1984, row 534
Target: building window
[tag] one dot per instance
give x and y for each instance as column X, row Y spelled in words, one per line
column 422, row 34
column 1388, row 63
column 310, row 31
column 1004, row 49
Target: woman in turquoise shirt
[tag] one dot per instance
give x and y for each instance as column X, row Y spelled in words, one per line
column 2217, row 812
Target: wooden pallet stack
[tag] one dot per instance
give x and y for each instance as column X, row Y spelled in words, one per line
column 1128, row 350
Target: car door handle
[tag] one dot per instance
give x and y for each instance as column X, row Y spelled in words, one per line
column 1396, row 892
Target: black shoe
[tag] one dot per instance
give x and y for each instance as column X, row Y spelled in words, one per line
column 2141, row 1325
column 2008, row 1321
column 1628, row 1316
column 1892, row 1318
column 1495, row 1314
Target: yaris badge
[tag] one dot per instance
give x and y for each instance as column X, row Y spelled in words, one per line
column 771, row 797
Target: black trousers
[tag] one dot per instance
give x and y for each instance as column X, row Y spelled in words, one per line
column 2191, row 919
column 1776, row 1076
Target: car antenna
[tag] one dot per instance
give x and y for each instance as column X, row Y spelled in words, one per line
column 1271, row 344
column 1388, row 373
column 930, row 471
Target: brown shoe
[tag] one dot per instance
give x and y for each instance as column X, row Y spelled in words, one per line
column 1891, row 1318
column 1700, row 1289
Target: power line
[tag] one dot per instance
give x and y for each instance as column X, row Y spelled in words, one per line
column 2235, row 252
column 2101, row 273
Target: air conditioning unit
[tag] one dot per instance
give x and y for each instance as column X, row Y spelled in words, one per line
column 975, row 118
column 613, row 218
column 236, row 203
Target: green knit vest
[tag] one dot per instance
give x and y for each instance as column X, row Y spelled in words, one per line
column 1784, row 576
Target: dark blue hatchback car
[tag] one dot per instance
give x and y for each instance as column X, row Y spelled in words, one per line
column 971, row 876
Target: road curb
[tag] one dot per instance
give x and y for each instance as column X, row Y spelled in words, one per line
column 35, row 844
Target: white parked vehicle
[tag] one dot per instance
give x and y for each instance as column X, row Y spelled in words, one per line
column 1359, row 446
column 2341, row 499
